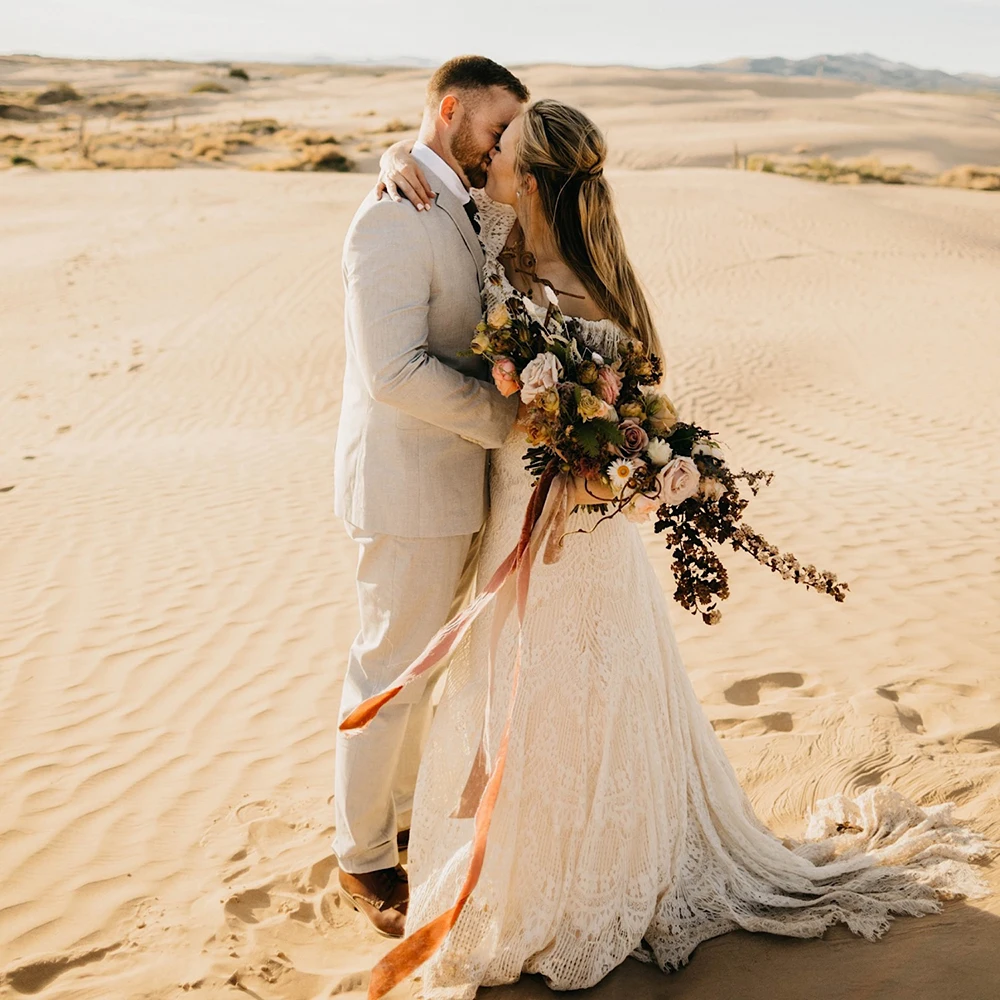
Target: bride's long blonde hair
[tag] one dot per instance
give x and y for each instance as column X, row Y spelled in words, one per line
column 565, row 152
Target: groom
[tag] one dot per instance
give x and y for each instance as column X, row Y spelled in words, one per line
column 411, row 484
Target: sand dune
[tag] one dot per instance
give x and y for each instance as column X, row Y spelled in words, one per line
column 654, row 118
column 177, row 597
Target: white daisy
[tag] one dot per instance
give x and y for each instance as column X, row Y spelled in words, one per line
column 619, row 473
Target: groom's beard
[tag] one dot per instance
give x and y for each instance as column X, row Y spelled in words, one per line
column 470, row 158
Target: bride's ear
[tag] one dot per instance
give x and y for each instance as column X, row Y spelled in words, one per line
column 528, row 184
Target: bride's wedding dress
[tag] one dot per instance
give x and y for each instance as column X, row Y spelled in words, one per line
column 621, row 827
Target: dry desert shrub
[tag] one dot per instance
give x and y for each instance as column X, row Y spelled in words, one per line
column 239, row 74
column 311, row 158
column 830, row 171
column 209, row 87
column 331, row 158
column 259, row 126
column 208, row 147
column 112, row 158
column 58, row 93
column 395, row 125
column 16, row 112
column 313, row 137
column 258, row 144
column 972, row 177
column 107, row 104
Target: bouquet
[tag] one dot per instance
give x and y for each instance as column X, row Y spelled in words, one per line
column 601, row 421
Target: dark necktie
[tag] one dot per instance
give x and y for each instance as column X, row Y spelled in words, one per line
column 470, row 211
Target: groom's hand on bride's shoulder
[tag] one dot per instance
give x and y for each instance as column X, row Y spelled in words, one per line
column 400, row 177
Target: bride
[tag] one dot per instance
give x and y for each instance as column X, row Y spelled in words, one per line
column 620, row 828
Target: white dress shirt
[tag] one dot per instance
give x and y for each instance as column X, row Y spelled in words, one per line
column 426, row 157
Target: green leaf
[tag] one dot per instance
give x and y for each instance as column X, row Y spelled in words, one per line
column 609, row 431
column 592, row 435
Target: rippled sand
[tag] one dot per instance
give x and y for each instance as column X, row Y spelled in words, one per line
column 177, row 598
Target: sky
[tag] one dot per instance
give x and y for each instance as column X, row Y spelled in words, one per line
column 953, row 35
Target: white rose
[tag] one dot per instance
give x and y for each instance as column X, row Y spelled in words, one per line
column 659, row 451
column 540, row 374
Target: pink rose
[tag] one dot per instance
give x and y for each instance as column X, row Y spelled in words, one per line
column 678, row 480
column 505, row 376
column 609, row 384
column 635, row 437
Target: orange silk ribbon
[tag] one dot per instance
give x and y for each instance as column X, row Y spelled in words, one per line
column 546, row 512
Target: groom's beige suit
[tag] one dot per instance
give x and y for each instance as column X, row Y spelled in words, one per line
column 411, row 481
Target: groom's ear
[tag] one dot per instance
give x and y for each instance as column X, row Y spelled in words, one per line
column 447, row 108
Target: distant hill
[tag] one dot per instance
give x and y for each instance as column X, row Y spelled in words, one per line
column 860, row 68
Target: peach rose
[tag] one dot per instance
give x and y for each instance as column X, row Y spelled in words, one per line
column 505, row 376
column 641, row 508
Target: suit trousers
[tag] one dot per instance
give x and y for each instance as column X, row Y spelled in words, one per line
column 407, row 589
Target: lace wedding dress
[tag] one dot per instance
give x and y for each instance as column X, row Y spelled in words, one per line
column 621, row 828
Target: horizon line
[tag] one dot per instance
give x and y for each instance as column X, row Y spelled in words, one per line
column 419, row 62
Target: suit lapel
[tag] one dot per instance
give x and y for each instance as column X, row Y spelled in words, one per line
column 454, row 209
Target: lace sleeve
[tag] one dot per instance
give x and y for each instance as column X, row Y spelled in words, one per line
column 495, row 222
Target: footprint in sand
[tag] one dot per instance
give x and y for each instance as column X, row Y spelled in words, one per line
column 33, row 977
column 777, row 722
column 909, row 718
column 991, row 735
column 255, row 810
column 244, row 904
column 747, row 692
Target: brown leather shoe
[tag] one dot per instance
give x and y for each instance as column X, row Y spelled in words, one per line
column 381, row 896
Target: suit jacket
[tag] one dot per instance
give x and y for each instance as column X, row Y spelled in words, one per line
column 416, row 419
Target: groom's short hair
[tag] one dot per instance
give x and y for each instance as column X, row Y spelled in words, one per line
column 473, row 73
